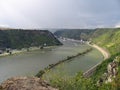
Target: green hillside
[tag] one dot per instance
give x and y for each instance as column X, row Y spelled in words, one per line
column 108, row 38
column 18, row 38
column 110, row 41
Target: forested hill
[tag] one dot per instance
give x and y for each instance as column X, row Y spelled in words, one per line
column 85, row 34
column 19, row 38
column 74, row 33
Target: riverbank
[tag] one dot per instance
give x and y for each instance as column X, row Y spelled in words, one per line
column 104, row 52
column 15, row 51
column 106, row 55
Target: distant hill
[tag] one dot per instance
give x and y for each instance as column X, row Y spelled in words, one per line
column 75, row 33
column 19, row 38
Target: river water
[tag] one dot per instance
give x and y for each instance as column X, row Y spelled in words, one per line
column 30, row 63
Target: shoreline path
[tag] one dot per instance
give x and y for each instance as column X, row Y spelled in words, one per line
column 106, row 55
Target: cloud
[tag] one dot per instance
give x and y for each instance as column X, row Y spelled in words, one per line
column 117, row 25
column 59, row 13
column 4, row 26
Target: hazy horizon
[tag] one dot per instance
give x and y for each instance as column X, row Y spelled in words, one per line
column 57, row 14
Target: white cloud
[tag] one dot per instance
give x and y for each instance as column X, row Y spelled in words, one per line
column 117, row 25
column 3, row 25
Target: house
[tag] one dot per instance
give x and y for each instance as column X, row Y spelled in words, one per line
column 8, row 50
column 1, row 52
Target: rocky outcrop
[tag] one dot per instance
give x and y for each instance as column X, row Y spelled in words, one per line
column 25, row 83
column 111, row 73
column 112, row 69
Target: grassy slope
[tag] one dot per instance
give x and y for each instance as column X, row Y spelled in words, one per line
column 107, row 38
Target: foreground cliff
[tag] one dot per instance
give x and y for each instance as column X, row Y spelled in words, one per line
column 25, row 83
column 19, row 38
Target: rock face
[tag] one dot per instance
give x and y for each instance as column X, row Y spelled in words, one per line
column 25, row 83
column 112, row 71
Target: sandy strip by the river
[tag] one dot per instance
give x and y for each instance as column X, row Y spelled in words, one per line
column 104, row 52
column 106, row 55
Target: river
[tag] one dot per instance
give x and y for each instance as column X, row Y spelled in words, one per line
column 30, row 63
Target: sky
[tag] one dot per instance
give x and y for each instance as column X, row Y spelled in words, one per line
column 59, row 13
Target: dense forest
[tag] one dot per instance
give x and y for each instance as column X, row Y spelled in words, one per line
column 108, row 38
column 18, row 38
